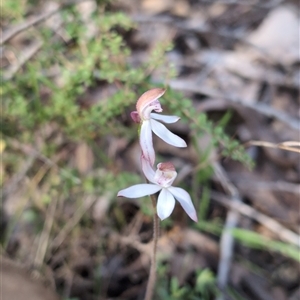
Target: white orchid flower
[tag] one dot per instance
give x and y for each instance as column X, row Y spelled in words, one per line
column 162, row 180
column 145, row 105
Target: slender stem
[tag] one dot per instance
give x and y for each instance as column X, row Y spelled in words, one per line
column 152, row 274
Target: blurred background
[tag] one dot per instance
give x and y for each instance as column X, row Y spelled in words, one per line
column 72, row 72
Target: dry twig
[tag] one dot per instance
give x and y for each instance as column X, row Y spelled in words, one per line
column 26, row 55
column 45, row 235
column 288, row 146
column 282, row 232
column 31, row 151
column 262, row 108
column 232, row 219
column 279, row 186
column 18, row 177
column 10, row 33
column 88, row 202
column 260, row 4
column 202, row 29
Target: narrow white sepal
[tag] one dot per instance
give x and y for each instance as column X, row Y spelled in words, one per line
column 146, row 142
column 164, row 118
column 147, row 169
column 185, row 200
column 139, row 190
column 166, row 135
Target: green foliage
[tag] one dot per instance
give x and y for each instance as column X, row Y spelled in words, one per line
column 205, row 287
column 204, row 204
column 12, row 11
column 206, row 284
column 257, row 241
column 200, row 125
column 175, row 291
column 251, row 239
column 80, row 67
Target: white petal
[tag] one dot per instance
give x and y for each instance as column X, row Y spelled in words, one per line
column 166, row 135
column 165, row 204
column 139, row 190
column 146, row 142
column 147, row 169
column 164, row 118
column 185, row 200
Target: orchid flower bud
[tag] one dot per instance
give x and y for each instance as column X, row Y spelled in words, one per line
column 147, row 103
